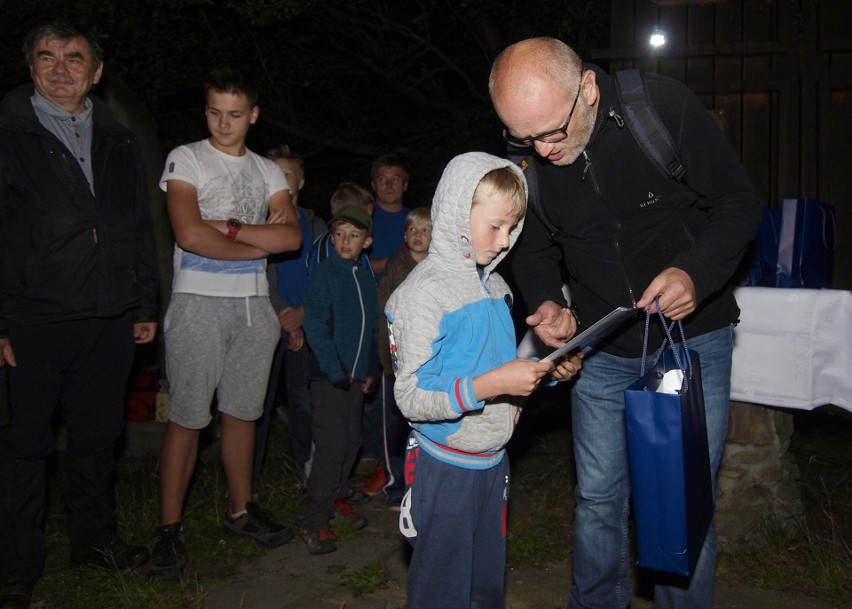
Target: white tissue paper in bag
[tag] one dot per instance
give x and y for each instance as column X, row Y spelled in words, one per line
column 672, row 382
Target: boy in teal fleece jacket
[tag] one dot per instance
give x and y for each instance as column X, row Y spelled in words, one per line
column 341, row 314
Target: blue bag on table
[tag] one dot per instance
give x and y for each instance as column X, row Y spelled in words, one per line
column 673, row 502
column 806, row 244
column 763, row 251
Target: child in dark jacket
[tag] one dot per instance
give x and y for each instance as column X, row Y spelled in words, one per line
column 341, row 313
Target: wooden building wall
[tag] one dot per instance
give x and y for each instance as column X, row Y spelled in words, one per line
column 777, row 74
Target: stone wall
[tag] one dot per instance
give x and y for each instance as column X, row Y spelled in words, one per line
column 758, row 481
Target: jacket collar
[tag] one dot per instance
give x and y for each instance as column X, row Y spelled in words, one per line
column 17, row 104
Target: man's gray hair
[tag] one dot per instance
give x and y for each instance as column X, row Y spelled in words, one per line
column 59, row 30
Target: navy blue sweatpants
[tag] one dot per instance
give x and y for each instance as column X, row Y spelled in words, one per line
column 455, row 519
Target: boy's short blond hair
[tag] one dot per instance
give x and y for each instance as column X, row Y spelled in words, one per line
column 503, row 181
column 283, row 151
column 350, row 193
column 418, row 215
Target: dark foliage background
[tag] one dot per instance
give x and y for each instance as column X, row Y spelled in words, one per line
column 341, row 80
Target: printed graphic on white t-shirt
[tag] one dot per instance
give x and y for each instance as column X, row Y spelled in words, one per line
column 227, row 187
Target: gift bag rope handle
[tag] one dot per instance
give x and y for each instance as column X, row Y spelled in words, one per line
column 668, row 328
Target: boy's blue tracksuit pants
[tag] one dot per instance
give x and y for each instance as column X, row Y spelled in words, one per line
column 455, row 519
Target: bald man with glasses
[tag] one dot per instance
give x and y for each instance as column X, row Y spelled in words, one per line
column 626, row 234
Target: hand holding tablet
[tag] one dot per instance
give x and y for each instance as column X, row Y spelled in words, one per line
column 593, row 333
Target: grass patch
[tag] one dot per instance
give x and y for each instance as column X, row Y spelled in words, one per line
column 803, row 563
column 541, row 505
column 213, row 556
column 535, row 544
column 814, row 558
column 365, row 580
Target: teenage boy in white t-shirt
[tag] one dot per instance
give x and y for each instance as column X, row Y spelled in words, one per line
column 229, row 208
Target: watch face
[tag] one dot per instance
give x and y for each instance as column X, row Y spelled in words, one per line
column 233, row 223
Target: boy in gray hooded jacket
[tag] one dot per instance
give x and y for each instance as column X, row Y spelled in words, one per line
column 454, row 350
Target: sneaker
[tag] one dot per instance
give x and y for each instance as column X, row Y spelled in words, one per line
column 344, row 512
column 394, row 502
column 357, row 496
column 168, row 555
column 321, row 542
column 374, row 485
column 258, row 525
column 117, row 556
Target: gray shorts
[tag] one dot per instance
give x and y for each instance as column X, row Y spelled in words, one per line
column 218, row 344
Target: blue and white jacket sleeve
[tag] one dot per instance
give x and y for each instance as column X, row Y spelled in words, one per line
column 426, row 388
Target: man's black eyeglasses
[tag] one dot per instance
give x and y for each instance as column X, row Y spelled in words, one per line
column 551, row 137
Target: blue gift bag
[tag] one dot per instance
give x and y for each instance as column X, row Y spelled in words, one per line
column 672, row 492
column 806, row 244
column 762, row 255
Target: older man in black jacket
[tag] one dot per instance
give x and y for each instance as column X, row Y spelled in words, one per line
column 77, row 292
column 626, row 235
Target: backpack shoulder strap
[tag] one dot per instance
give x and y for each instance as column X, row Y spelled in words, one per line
column 645, row 125
column 527, row 165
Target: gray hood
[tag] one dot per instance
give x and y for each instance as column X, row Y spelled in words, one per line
column 451, row 236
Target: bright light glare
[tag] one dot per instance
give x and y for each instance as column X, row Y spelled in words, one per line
column 657, row 39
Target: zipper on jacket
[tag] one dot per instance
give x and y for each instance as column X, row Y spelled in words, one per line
column 587, row 168
column 619, row 121
column 617, row 245
column 363, row 319
column 616, row 242
column 614, row 115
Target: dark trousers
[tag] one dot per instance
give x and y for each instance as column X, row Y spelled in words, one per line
column 295, row 365
column 82, row 367
column 459, row 525
column 372, row 429
column 337, row 437
column 396, row 437
column 262, row 432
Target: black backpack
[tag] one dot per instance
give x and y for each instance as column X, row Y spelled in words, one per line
column 644, row 125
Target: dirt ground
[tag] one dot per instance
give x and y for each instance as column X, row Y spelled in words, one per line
column 288, row 577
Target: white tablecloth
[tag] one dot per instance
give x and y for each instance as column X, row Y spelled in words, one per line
column 793, row 348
